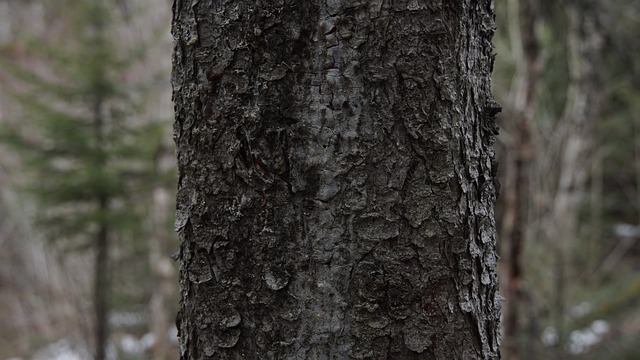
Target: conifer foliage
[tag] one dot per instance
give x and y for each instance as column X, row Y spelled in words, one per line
column 86, row 156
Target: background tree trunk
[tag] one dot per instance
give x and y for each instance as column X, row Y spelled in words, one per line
column 519, row 157
column 102, row 276
column 161, row 266
column 585, row 42
column 336, row 179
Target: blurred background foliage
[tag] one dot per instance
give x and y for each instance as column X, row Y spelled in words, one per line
column 567, row 75
column 87, row 180
column 85, row 120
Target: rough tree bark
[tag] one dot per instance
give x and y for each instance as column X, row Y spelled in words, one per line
column 336, row 179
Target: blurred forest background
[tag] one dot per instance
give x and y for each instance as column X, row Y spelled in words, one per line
column 87, row 179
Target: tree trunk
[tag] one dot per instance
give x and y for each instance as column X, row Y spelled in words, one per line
column 336, row 183
column 585, row 42
column 102, row 276
column 161, row 266
column 101, row 302
column 519, row 157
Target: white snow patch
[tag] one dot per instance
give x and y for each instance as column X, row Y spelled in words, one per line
column 130, row 345
column 581, row 309
column 62, row 350
column 550, row 336
column 626, row 230
column 173, row 335
column 123, row 319
column 581, row 340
